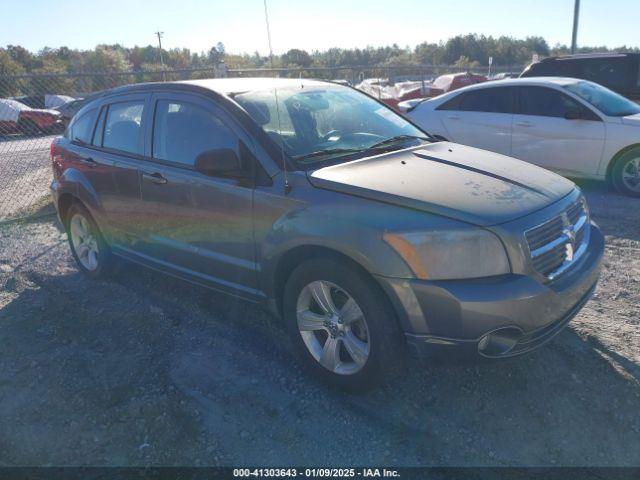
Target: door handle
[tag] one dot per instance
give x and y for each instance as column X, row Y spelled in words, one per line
column 453, row 117
column 154, row 177
column 524, row 123
column 89, row 162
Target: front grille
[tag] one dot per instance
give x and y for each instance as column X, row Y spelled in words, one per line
column 557, row 243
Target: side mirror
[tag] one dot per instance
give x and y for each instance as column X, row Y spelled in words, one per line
column 573, row 114
column 222, row 162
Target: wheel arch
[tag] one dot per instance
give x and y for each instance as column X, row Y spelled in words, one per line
column 66, row 200
column 64, row 203
column 73, row 182
column 293, row 257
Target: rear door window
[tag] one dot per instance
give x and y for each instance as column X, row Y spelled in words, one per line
column 82, row 129
column 452, row 104
column 123, row 127
column 489, row 100
column 183, row 130
column 559, row 68
column 612, row 72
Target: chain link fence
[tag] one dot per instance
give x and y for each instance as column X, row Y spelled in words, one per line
column 34, row 108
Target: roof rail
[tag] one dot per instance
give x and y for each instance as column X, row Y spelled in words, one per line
column 588, row 55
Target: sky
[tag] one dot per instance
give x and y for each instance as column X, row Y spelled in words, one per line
column 308, row 24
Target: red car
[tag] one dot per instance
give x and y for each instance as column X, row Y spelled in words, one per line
column 391, row 95
column 16, row 117
column 453, row 81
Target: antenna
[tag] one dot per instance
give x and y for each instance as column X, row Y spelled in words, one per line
column 266, row 18
column 287, row 186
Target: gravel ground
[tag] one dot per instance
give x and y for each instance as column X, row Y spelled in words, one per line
column 147, row 370
column 25, row 167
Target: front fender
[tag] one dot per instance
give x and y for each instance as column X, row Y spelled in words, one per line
column 306, row 228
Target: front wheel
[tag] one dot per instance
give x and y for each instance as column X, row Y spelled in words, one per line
column 625, row 175
column 342, row 325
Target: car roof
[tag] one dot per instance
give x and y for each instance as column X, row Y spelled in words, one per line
column 229, row 86
column 537, row 81
column 580, row 56
column 509, row 82
column 221, row 86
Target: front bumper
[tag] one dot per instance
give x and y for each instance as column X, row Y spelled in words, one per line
column 443, row 316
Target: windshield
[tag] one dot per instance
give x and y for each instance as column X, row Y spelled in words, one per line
column 608, row 102
column 330, row 122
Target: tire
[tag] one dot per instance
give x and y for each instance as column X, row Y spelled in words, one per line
column 626, row 166
column 380, row 337
column 98, row 265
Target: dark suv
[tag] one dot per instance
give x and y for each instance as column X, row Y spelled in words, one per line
column 369, row 237
column 619, row 72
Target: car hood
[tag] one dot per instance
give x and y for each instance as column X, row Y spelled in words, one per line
column 464, row 183
column 632, row 119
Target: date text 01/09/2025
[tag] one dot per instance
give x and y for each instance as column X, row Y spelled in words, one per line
column 316, row 472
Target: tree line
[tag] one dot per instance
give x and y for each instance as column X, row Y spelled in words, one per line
column 470, row 51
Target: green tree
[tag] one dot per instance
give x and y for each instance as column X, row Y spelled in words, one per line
column 8, row 66
column 296, row 58
column 465, row 63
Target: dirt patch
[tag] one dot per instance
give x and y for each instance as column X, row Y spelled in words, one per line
column 147, row 370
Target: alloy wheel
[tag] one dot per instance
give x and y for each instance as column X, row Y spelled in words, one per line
column 84, row 242
column 333, row 327
column 631, row 175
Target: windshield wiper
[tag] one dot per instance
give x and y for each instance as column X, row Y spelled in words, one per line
column 375, row 146
column 327, row 151
column 397, row 138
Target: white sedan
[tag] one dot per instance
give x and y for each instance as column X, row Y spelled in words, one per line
column 574, row 127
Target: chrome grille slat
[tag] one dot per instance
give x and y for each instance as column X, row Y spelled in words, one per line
column 541, row 234
column 561, row 240
column 548, row 241
column 549, row 265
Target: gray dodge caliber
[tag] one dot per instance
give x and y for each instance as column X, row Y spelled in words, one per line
column 368, row 237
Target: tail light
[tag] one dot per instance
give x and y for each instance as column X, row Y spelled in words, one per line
column 56, row 160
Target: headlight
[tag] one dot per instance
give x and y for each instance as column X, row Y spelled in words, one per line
column 451, row 254
column 585, row 206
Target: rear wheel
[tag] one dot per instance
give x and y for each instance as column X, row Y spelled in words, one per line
column 88, row 247
column 341, row 325
column 625, row 175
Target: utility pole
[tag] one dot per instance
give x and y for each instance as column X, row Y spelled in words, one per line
column 159, row 34
column 574, row 37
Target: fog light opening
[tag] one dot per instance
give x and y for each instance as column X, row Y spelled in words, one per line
column 499, row 342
